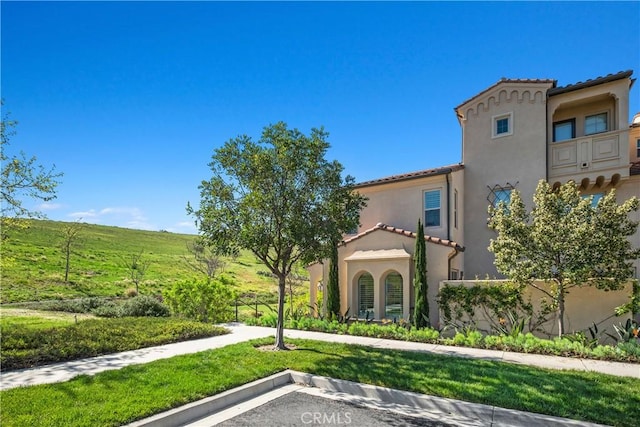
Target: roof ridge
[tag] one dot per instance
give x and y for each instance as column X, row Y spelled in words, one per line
column 411, row 175
column 590, row 82
column 403, row 232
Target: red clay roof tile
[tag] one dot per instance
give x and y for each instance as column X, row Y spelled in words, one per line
column 396, row 230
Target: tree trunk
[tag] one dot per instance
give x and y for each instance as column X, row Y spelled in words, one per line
column 280, row 324
column 66, row 269
column 560, row 309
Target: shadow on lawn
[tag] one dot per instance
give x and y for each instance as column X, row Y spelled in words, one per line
column 496, row 383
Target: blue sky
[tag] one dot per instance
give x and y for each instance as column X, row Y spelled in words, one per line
column 129, row 99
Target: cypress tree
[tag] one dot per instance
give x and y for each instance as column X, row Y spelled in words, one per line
column 333, row 287
column 421, row 309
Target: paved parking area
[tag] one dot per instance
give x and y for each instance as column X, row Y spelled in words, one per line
column 301, row 409
column 292, row 398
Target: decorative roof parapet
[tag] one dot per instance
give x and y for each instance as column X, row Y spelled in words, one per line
column 502, row 81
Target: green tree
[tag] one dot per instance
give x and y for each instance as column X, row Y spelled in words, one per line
column 333, row 287
column 421, row 287
column 208, row 300
column 279, row 198
column 137, row 266
column 202, row 259
column 565, row 241
column 22, row 177
column 70, row 235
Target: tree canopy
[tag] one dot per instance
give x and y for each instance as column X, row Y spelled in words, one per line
column 22, row 177
column 564, row 240
column 279, row 198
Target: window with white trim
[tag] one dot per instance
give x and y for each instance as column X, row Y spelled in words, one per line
column 502, row 125
column 595, row 123
column 432, row 208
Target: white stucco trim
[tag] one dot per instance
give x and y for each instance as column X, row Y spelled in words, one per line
column 378, row 255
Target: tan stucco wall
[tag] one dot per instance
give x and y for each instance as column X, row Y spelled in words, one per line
column 584, row 306
column 628, row 189
column 350, row 271
column 612, row 97
column 401, row 204
column 518, row 159
column 589, row 157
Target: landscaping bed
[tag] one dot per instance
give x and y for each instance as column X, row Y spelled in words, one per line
column 28, row 343
column 569, row 346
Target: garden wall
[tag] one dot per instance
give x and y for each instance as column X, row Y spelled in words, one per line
column 583, row 307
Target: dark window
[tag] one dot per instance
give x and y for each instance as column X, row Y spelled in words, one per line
column 564, row 130
column 502, row 126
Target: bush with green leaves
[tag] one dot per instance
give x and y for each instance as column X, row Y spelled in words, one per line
column 24, row 347
column 144, row 306
column 205, row 300
column 501, row 305
column 467, row 337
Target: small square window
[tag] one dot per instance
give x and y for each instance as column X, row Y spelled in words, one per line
column 502, row 125
column 564, row 130
column 595, row 124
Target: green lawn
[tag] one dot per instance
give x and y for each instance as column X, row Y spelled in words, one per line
column 117, row 397
column 33, row 264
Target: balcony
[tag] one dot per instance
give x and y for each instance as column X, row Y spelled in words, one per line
column 594, row 160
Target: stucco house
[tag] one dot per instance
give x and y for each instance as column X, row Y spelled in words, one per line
column 514, row 133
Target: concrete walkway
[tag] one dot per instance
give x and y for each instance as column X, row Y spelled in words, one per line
column 60, row 372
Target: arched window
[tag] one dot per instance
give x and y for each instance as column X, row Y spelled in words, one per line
column 365, row 296
column 393, row 296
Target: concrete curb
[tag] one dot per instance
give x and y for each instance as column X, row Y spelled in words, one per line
column 460, row 412
column 196, row 410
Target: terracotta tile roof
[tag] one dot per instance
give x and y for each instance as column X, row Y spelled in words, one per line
column 591, row 82
column 411, row 175
column 634, row 169
column 391, row 229
column 506, row 80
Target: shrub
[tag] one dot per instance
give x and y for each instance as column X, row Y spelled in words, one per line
column 108, row 309
column 130, row 293
column 82, row 305
column 144, row 306
column 502, row 306
column 25, row 347
column 204, row 300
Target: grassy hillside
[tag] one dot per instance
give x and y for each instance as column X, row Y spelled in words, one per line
column 33, row 263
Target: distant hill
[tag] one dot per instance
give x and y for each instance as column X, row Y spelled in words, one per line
column 33, row 263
